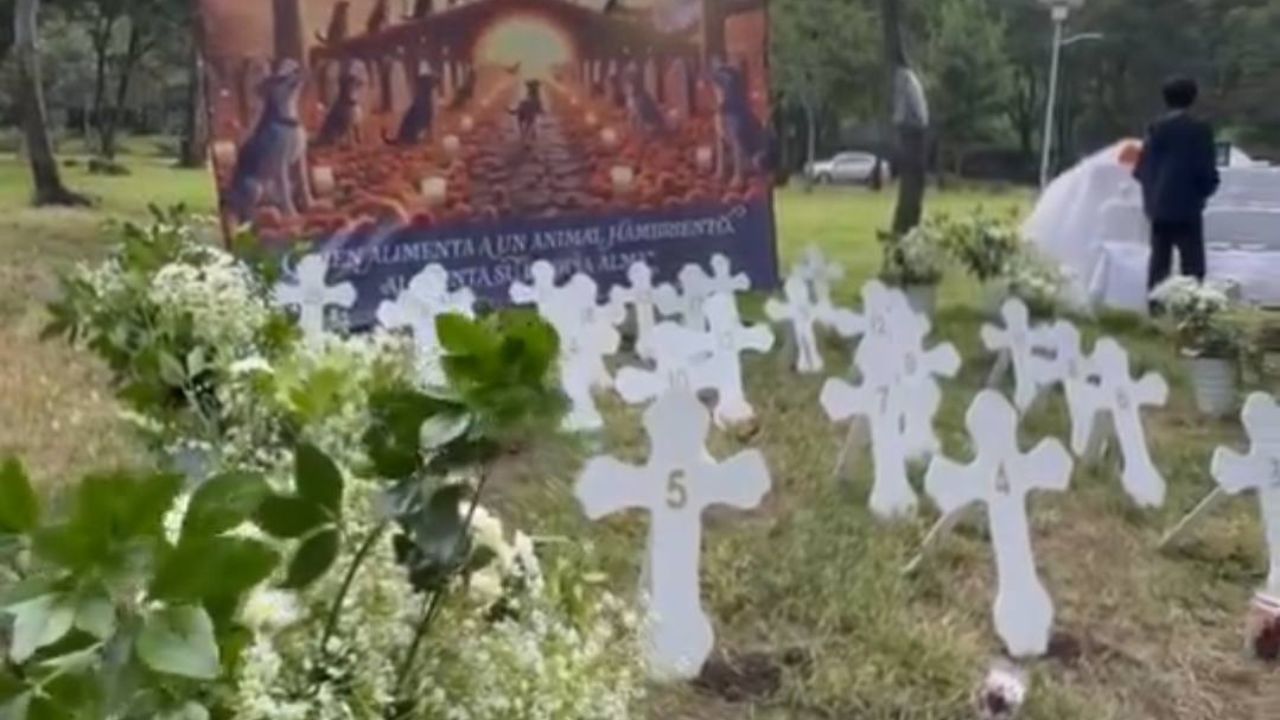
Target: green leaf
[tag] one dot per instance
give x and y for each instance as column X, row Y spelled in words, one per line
column 180, row 641
column 96, row 615
column 197, row 362
column 203, row 569
column 313, row 559
column 460, row 335
column 188, row 711
column 172, row 371
column 394, row 437
column 16, row 707
column 438, row 528
column 19, row 506
column 289, row 517
column 318, row 478
column 38, row 623
column 440, row 430
column 223, row 503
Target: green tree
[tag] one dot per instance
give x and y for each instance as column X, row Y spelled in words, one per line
column 824, row 62
column 968, row 74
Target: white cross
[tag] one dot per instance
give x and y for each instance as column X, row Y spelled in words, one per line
column 677, row 353
column 801, row 314
column 1121, row 399
column 696, row 287
column 310, row 293
column 426, row 298
column 641, row 295
column 881, row 305
column 1017, row 342
column 542, row 292
column 675, row 486
column 588, row 332
column 1258, row 470
column 722, row 370
column 919, row 370
column 1001, row 477
column 1073, row 369
column 819, row 274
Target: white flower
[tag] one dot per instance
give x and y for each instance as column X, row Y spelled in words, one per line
column 270, row 610
column 250, row 365
column 485, row 586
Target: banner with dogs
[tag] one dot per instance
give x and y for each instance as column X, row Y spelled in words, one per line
column 486, row 134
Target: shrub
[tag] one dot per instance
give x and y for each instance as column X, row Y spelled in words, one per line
column 396, row 593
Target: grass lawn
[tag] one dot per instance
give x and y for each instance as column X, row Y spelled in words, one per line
column 814, row 616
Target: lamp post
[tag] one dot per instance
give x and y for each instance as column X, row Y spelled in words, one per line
column 1060, row 10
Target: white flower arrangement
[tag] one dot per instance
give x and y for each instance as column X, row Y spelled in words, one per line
column 1198, row 312
column 917, row 258
column 1036, row 281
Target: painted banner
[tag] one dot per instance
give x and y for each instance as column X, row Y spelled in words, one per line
column 486, row 134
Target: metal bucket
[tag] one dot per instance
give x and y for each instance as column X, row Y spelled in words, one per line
column 1214, row 382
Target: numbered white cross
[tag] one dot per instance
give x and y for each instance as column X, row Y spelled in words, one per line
column 919, row 370
column 1119, row 399
column 1001, row 477
column 1259, row 470
column 675, row 486
column 880, row 401
column 1073, row 370
column 819, row 273
column 722, row 370
column 800, row 313
column 1015, row 345
column 641, row 296
column 588, row 332
column 677, row 353
column 309, row 292
column 416, row 308
column 541, row 292
column 696, row 287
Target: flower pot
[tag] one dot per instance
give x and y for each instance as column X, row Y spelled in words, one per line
column 922, row 298
column 1214, row 382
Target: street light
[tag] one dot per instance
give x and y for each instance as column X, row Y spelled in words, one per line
column 1060, row 10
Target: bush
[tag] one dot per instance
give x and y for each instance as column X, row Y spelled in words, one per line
column 372, row 581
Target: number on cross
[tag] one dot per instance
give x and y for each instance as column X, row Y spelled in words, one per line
column 911, row 363
column 677, row 493
column 884, row 400
column 1002, row 483
column 1122, row 400
column 1275, row 473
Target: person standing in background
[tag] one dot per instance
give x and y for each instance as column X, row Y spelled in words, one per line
column 1178, row 171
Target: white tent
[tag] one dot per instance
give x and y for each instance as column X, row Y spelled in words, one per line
column 1090, row 220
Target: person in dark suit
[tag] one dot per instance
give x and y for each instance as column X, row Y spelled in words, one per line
column 1178, row 171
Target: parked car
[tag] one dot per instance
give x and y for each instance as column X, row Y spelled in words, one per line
column 847, row 167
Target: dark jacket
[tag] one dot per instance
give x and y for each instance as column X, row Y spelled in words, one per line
column 1178, row 169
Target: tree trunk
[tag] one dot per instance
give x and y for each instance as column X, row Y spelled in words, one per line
column 49, row 189
column 911, row 117
column 811, row 140
column 111, row 123
column 101, row 42
column 195, row 136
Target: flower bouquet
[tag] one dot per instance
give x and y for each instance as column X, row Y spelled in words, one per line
column 915, row 262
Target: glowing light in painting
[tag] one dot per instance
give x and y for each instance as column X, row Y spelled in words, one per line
column 537, row 46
